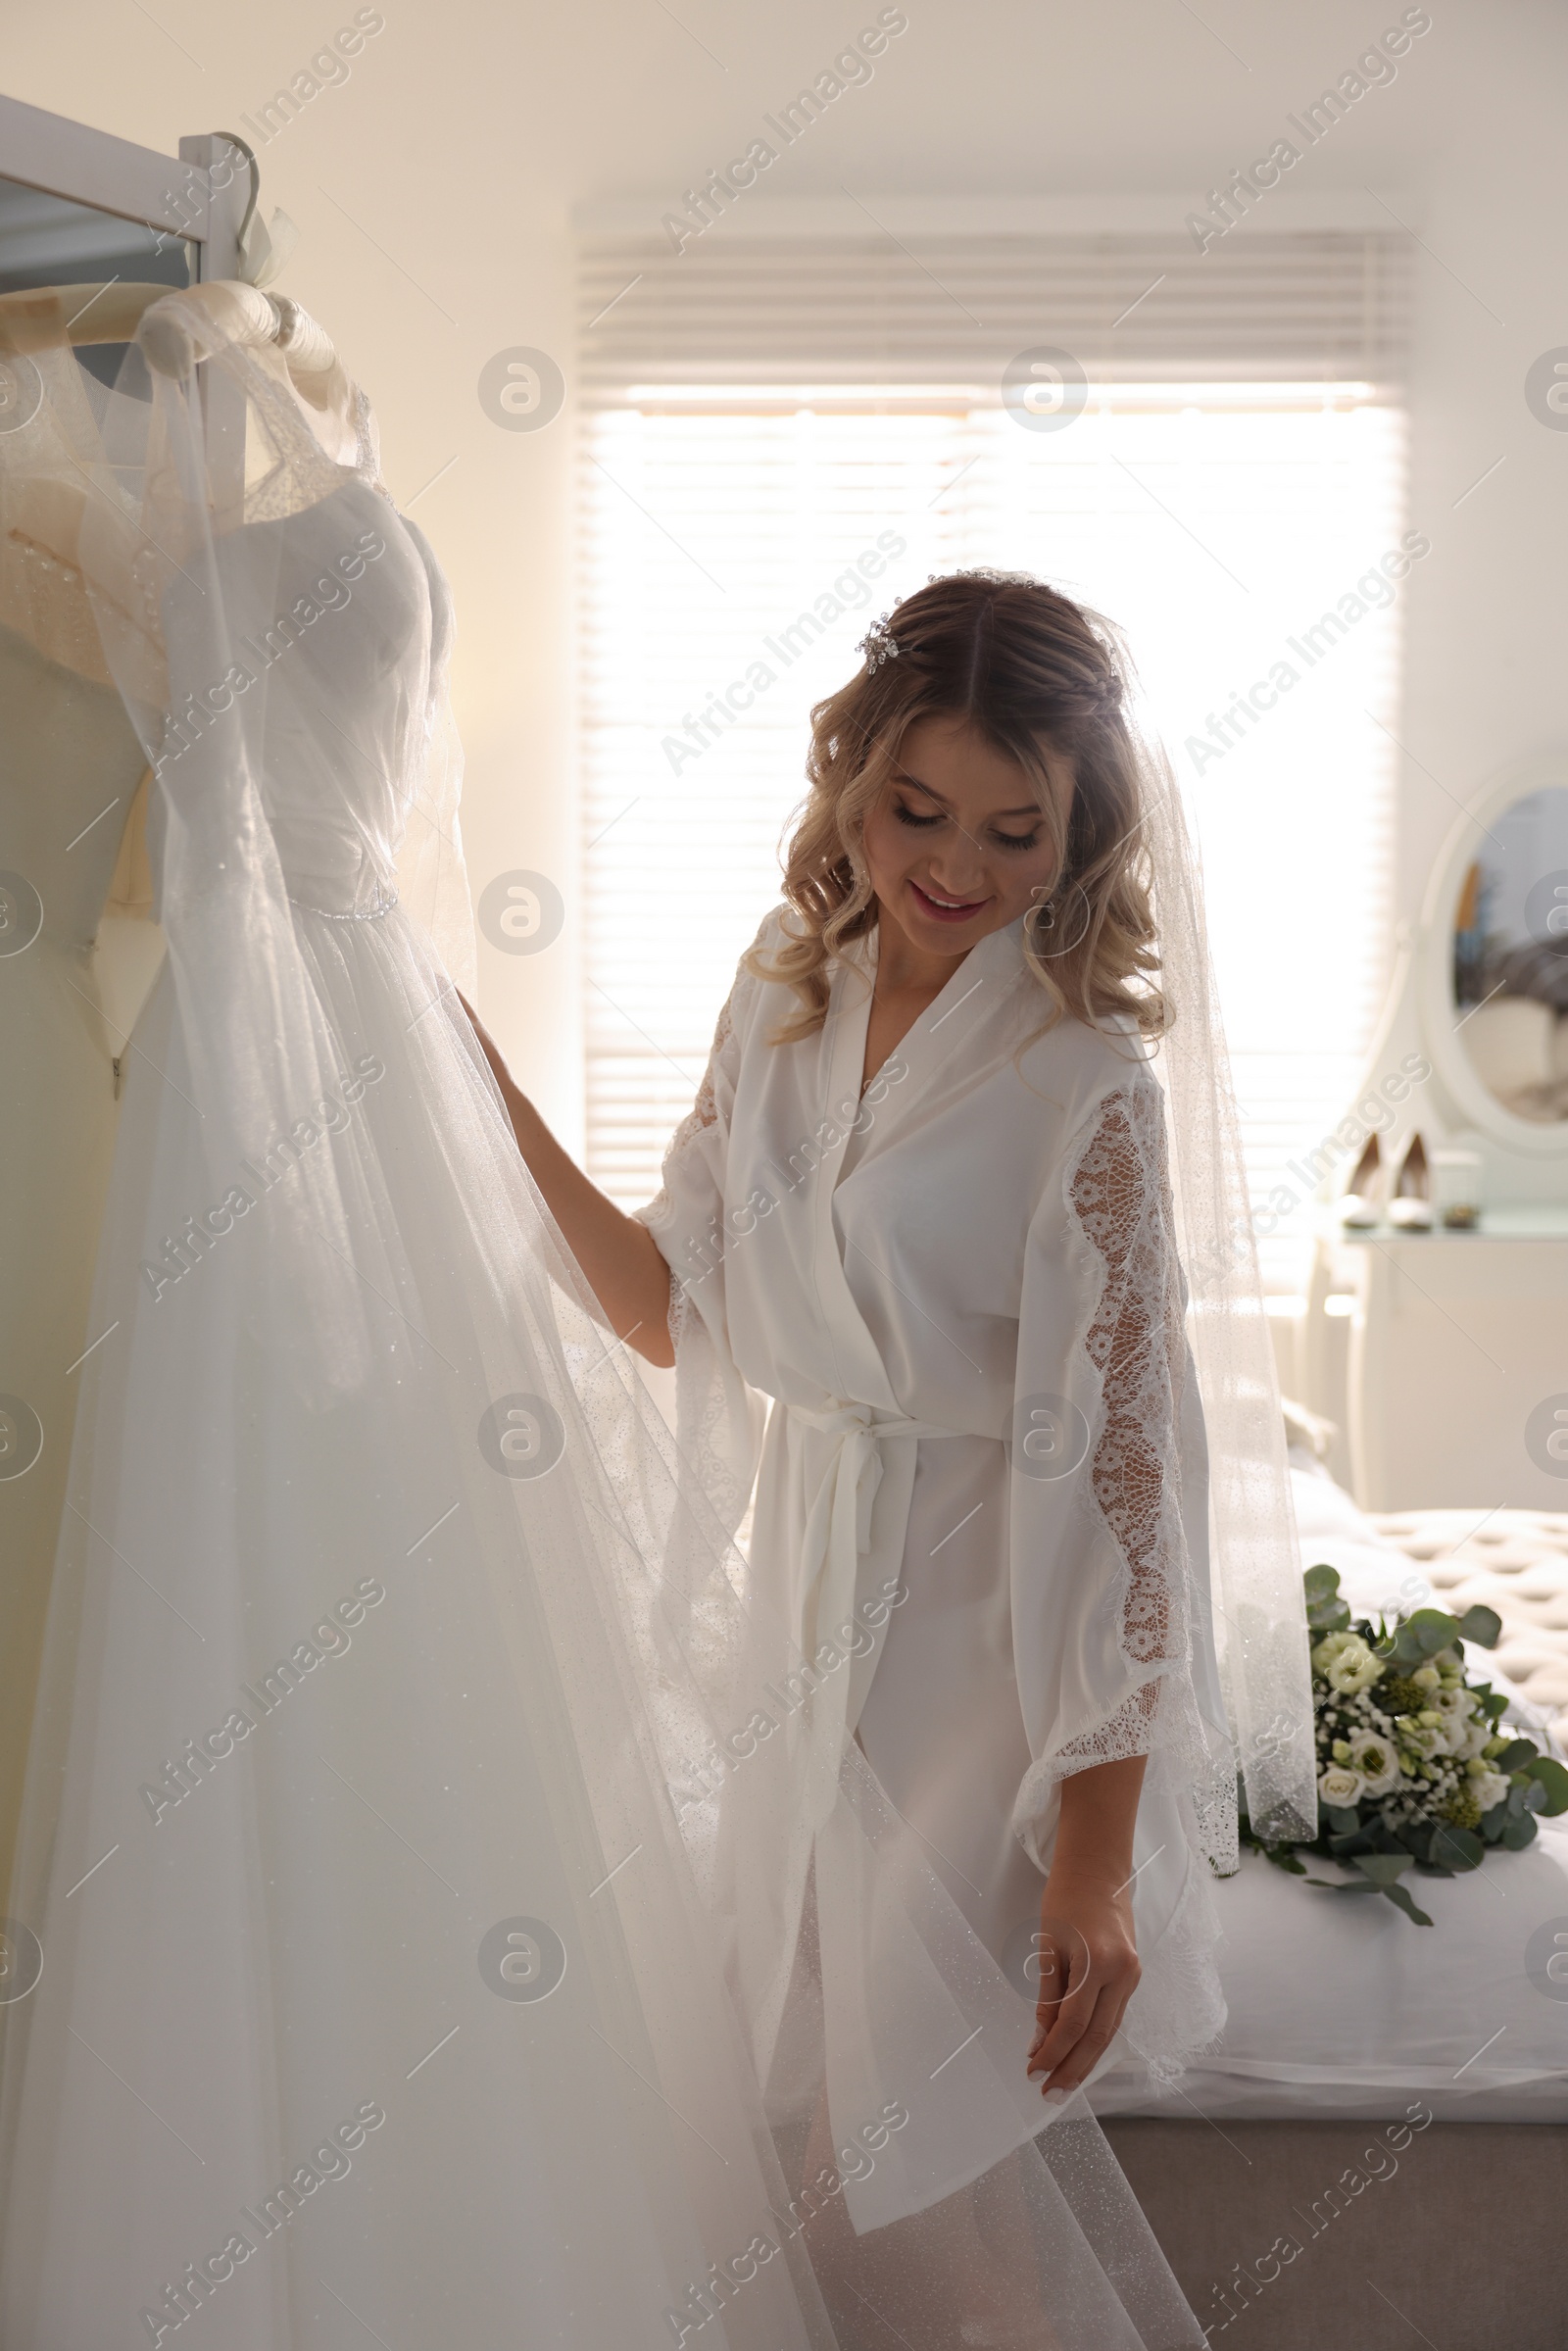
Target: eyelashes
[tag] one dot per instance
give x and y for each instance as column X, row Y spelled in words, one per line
column 919, row 824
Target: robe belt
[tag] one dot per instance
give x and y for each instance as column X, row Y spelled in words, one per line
column 838, row 1523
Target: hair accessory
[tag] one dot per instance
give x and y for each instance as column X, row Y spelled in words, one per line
column 878, row 644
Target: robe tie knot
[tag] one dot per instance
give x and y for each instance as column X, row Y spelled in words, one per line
column 838, row 1523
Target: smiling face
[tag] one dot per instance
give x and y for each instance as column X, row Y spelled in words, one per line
column 956, row 843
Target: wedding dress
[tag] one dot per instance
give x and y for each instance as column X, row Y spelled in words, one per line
column 69, row 767
column 377, row 1958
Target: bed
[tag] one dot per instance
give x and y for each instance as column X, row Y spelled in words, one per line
column 1377, row 2152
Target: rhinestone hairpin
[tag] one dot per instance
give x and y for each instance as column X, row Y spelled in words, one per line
column 878, row 644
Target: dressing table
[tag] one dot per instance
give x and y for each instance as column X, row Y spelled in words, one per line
column 1442, row 1354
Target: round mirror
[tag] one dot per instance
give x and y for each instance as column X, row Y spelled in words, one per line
column 1510, row 958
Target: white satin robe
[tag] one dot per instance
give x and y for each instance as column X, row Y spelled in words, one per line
column 981, row 1489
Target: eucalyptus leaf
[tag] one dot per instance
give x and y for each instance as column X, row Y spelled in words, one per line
column 1483, row 1626
column 1383, row 1869
column 1550, row 1774
column 1515, row 1756
column 1326, row 1612
column 1457, row 1849
column 1284, row 1859
column 1432, row 1627
column 1517, row 1834
column 1399, row 1895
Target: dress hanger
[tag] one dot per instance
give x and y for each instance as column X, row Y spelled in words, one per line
column 113, row 313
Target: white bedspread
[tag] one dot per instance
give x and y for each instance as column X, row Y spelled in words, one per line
column 1339, row 2004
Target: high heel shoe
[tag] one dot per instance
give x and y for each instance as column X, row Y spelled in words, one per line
column 1361, row 1204
column 1410, row 1207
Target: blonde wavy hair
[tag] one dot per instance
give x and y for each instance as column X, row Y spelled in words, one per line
column 1035, row 673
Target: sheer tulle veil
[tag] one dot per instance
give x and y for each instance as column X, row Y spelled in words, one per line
column 1254, row 1563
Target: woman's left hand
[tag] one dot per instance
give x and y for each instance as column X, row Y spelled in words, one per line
column 1089, row 1971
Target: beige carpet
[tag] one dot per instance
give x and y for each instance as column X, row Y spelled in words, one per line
column 1314, row 2236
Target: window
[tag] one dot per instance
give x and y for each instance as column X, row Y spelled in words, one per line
column 1217, row 521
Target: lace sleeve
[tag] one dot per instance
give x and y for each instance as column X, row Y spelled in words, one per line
column 1109, row 1570
column 1136, row 1342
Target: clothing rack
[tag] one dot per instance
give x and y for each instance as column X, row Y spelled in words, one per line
column 204, row 196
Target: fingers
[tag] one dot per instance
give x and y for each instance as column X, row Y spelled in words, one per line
column 1073, row 2032
column 1072, row 2067
column 1067, row 2029
column 1061, row 1962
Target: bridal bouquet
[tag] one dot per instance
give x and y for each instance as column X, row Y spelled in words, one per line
column 1415, row 1770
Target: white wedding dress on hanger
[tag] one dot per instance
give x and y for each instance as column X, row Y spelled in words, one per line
column 364, row 1969
column 69, row 762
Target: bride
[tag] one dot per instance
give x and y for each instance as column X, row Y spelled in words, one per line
column 924, row 1206
column 402, row 1933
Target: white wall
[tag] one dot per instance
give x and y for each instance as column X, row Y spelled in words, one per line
column 434, row 189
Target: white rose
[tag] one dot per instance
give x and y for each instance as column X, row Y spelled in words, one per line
column 1489, row 1788
column 1329, row 1647
column 1377, row 1760
column 1353, row 1668
column 1341, row 1787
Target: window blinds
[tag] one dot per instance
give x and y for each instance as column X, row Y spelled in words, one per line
column 724, row 520
column 1295, row 306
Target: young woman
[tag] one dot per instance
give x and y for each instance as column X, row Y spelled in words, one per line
column 923, row 1207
